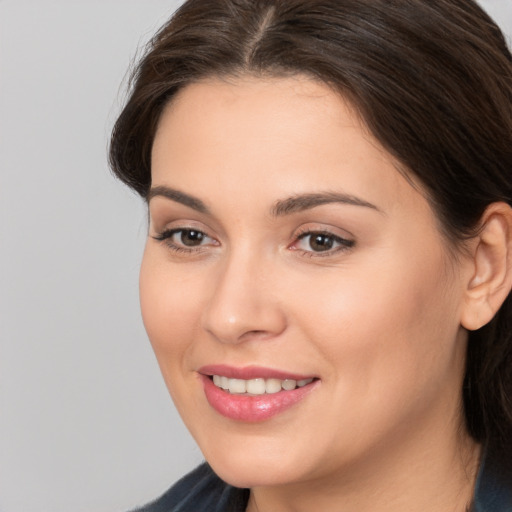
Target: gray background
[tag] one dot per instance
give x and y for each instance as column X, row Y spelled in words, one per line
column 85, row 420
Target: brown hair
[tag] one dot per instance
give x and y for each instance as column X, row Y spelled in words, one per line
column 432, row 80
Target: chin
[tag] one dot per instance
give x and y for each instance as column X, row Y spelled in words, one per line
column 250, row 474
column 256, row 463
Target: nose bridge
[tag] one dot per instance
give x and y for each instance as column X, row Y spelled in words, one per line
column 243, row 302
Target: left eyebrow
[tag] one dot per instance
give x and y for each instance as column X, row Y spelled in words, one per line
column 303, row 202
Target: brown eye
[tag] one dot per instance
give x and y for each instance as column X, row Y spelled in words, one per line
column 321, row 242
column 317, row 242
column 191, row 237
column 185, row 239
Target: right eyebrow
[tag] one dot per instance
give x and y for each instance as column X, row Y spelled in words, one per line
column 178, row 197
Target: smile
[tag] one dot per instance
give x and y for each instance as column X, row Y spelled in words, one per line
column 258, row 386
column 254, row 394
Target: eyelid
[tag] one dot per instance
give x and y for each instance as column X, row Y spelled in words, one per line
column 166, row 235
column 326, row 229
column 345, row 241
column 162, row 224
column 342, row 239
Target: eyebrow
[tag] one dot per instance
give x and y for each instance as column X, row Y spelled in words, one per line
column 294, row 204
column 179, row 197
column 303, row 202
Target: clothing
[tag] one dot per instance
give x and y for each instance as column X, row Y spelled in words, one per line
column 493, row 492
column 200, row 491
column 203, row 491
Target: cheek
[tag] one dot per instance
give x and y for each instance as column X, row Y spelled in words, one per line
column 389, row 331
column 169, row 305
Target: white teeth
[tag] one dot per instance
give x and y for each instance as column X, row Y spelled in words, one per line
column 257, row 386
column 289, row 384
column 237, row 386
column 273, row 385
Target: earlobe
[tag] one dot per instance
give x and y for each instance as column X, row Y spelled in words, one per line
column 491, row 280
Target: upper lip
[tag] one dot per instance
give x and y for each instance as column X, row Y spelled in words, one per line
column 251, row 372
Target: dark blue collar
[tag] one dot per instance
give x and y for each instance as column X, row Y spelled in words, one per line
column 493, row 492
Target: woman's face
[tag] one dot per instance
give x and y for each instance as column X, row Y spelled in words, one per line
column 284, row 246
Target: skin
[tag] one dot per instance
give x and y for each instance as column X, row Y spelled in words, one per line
column 378, row 320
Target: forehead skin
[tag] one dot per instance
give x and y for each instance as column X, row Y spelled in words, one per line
column 269, row 121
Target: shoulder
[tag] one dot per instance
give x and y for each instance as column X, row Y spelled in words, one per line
column 494, row 484
column 200, row 491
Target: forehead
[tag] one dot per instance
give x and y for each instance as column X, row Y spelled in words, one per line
column 257, row 107
column 278, row 135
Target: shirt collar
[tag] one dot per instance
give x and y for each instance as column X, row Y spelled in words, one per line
column 493, row 491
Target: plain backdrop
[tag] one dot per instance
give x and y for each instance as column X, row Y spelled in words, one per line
column 86, row 424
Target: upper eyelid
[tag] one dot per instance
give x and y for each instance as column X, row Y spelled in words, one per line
column 180, row 225
column 160, row 222
column 341, row 239
column 299, row 233
column 172, row 231
column 309, row 231
column 325, row 229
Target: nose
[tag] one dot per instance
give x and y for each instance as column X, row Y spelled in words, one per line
column 244, row 302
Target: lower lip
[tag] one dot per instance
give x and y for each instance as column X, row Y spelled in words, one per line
column 253, row 408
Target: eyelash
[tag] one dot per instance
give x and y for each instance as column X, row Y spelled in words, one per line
column 344, row 244
column 166, row 237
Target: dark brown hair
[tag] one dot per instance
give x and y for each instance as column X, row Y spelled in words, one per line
column 432, row 80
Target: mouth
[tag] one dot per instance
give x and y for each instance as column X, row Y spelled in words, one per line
column 258, row 386
column 253, row 394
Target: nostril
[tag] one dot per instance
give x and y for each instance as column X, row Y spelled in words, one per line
column 256, row 335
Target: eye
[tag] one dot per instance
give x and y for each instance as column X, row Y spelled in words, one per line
column 321, row 242
column 185, row 239
column 189, row 237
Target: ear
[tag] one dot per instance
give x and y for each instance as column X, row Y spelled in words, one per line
column 491, row 258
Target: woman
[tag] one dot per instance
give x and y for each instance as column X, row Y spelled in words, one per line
column 326, row 277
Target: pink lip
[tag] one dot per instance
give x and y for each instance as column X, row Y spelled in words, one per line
column 251, row 408
column 250, row 372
